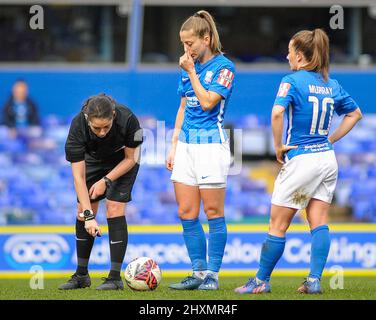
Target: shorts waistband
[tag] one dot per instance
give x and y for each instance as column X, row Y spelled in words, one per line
column 312, row 148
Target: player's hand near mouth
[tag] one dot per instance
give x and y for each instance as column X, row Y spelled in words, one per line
column 186, row 61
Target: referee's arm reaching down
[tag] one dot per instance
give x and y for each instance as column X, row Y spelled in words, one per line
column 79, row 177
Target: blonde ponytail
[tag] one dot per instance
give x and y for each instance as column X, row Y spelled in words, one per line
column 202, row 23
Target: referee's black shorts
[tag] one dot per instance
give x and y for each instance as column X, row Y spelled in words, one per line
column 121, row 188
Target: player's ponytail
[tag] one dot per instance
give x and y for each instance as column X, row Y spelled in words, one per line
column 100, row 106
column 202, row 23
column 315, row 47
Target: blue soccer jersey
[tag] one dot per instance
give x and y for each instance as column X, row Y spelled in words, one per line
column 201, row 126
column 310, row 102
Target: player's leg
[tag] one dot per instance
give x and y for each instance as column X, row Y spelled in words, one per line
column 274, row 244
column 317, row 216
column 211, row 167
column 117, row 196
column 84, row 245
column 213, row 198
column 272, row 250
column 84, row 241
column 118, row 236
column 282, row 211
column 188, row 200
column 118, row 241
column 292, row 190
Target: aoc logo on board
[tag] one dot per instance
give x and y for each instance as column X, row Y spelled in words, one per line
column 47, row 250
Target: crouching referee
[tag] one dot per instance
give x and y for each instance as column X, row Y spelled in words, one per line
column 103, row 147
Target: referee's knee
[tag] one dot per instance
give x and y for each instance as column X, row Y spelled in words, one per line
column 115, row 209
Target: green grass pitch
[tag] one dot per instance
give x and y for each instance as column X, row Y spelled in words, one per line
column 284, row 288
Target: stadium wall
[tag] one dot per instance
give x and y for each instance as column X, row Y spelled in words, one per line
column 154, row 92
column 353, row 248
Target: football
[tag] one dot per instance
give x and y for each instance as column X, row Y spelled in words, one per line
column 143, row 274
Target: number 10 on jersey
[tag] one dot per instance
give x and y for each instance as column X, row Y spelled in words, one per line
column 324, row 108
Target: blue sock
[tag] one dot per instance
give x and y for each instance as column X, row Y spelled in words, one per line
column 217, row 242
column 320, row 246
column 195, row 241
column 272, row 250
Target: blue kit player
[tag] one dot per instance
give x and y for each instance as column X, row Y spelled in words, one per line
column 309, row 173
column 199, row 157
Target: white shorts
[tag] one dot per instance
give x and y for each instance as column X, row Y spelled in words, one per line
column 202, row 165
column 304, row 177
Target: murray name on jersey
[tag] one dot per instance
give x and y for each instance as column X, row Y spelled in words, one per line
column 320, row 90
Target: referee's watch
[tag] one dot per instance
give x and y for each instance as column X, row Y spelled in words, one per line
column 88, row 215
column 108, row 182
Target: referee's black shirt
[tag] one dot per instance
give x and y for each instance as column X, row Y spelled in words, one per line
column 125, row 132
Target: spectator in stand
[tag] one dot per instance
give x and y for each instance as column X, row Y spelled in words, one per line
column 20, row 111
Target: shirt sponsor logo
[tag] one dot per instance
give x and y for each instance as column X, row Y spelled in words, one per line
column 225, row 78
column 192, row 100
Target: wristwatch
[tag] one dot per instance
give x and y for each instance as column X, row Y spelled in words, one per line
column 88, row 215
column 108, row 182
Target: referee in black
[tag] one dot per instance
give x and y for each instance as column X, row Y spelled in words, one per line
column 103, row 147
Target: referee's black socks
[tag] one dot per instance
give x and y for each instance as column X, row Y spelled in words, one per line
column 118, row 237
column 84, row 244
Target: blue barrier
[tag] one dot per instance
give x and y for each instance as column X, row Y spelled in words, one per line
column 62, row 92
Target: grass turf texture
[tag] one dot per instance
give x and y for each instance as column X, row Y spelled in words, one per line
column 284, row 288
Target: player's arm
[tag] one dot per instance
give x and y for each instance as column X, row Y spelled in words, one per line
column 277, row 128
column 175, row 137
column 75, row 154
column 277, row 125
column 79, row 177
column 178, row 121
column 348, row 122
column 132, row 156
column 208, row 99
